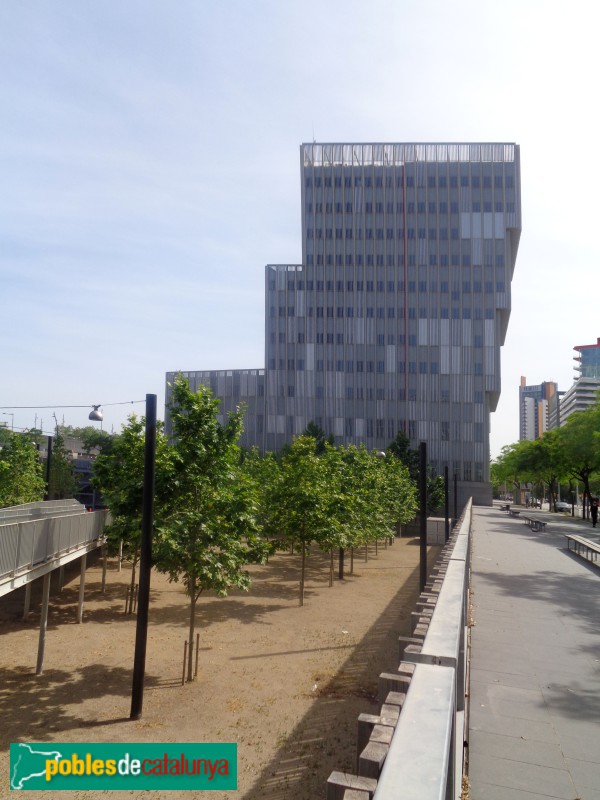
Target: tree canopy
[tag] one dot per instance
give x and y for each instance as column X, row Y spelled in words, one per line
column 21, row 473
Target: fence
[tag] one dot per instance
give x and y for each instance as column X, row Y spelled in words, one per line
column 413, row 750
column 27, row 543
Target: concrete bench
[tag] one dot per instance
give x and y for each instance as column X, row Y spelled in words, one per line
column 583, row 547
column 514, row 512
column 535, row 523
column 505, row 507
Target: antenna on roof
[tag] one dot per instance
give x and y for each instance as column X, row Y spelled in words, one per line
column 314, row 140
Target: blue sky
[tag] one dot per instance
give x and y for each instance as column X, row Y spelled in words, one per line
column 150, row 169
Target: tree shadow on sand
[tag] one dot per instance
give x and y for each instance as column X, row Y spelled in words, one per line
column 35, row 707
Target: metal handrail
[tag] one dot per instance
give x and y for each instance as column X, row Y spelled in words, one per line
column 425, row 752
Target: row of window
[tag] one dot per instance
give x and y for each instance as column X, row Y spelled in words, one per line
column 433, row 181
column 340, row 365
column 389, row 234
column 382, row 339
column 423, row 312
column 391, row 207
column 411, row 286
column 391, row 260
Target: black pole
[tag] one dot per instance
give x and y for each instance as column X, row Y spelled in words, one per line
column 455, row 497
column 423, row 514
column 48, row 463
column 141, row 631
column 341, row 564
column 446, row 504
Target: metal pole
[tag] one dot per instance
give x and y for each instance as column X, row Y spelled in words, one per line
column 43, row 624
column 104, row 564
column 141, row 634
column 48, row 463
column 423, row 514
column 455, row 497
column 446, row 504
column 81, row 588
column 27, row 604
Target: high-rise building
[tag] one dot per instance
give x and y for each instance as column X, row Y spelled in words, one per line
column 536, row 405
column 394, row 318
column 584, row 391
column 588, row 358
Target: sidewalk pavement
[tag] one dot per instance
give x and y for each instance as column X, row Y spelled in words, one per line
column 535, row 663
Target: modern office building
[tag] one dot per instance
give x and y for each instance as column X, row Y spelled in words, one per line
column 584, row 391
column 394, row 317
column 535, row 406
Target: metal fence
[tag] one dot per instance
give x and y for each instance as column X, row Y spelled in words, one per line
column 27, row 542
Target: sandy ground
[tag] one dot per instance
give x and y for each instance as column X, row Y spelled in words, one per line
column 286, row 683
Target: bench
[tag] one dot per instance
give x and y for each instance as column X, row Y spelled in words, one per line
column 505, row 507
column 514, row 512
column 535, row 523
column 583, row 547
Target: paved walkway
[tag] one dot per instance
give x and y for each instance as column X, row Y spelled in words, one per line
column 535, row 663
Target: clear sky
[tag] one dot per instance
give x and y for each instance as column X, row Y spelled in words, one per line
column 149, row 156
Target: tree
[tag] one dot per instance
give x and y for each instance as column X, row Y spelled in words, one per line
column 400, row 449
column 62, row 480
column 299, row 499
column 209, row 531
column 261, row 471
column 580, row 440
column 21, row 479
column 118, row 473
column 320, row 437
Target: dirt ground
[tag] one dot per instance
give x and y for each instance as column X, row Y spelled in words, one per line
column 286, row 683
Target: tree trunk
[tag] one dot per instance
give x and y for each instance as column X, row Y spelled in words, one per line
column 366, row 551
column 302, row 573
column 341, row 564
column 331, row 567
column 351, row 561
column 132, row 584
column 193, row 600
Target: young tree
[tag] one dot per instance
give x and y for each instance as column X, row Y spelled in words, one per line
column 209, row 531
column 299, row 499
column 21, row 479
column 118, row 473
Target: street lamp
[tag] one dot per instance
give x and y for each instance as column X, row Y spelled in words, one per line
column 12, row 420
column 96, row 415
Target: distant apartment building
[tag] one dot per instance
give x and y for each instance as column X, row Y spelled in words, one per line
column 536, row 404
column 394, row 318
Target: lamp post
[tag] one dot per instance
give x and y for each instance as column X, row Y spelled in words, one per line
column 12, row 420
column 423, row 515
column 141, row 633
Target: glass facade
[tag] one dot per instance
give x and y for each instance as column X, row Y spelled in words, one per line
column 395, row 318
